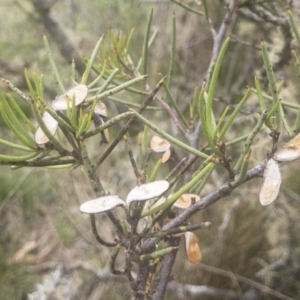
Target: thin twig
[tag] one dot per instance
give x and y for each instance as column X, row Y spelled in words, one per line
column 96, row 234
column 173, row 116
column 219, row 37
column 129, row 123
column 40, row 163
column 204, row 202
column 166, row 271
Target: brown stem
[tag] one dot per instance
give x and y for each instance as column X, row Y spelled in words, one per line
column 206, row 201
column 164, row 277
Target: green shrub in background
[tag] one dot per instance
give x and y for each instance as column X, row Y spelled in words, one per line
column 208, row 146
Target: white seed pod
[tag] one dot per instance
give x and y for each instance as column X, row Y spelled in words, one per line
column 101, row 109
column 101, row 204
column 147, row 191
column 79, row 92
column 289, row 151
column 192, row 247
column 186, row 200
column 159, row 144
column 271, row 185
column 40, row 137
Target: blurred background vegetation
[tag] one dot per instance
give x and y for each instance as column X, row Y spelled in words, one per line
column 42, row 231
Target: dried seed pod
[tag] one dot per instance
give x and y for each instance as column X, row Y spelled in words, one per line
column 272, row 181
column 166, row 156
column 186, row 200
column 102, row 204
column 192, row 247
column 159, row 144
column 40, row 137
column 79, row 92
column 101, row 109
column 147, row 191
column 105, row 138
column 289, row 151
